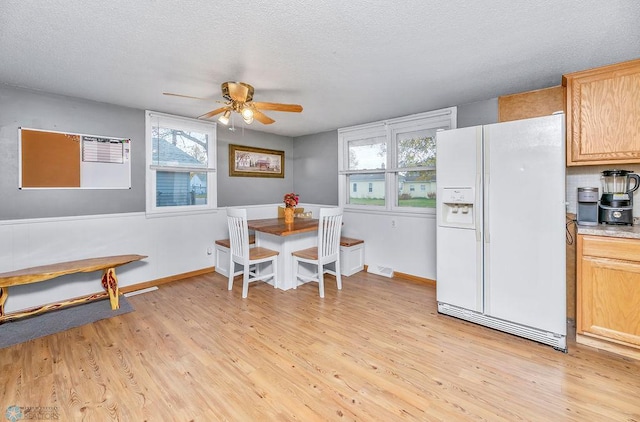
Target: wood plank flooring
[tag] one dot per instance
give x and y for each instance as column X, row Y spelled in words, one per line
column 375, row 351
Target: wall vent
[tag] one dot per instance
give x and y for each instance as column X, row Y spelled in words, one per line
column 138, row 292
column 380, row 270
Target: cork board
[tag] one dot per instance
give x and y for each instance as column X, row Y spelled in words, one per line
column 72, row 160
column 50, row 159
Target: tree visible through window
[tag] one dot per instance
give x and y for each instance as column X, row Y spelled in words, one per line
column 182, row 161
column 398, row 153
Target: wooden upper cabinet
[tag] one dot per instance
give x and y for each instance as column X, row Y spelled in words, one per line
column 603, row 115
column 525, row 105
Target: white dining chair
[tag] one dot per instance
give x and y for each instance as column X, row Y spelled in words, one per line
column 326, row 252
column 249, row 258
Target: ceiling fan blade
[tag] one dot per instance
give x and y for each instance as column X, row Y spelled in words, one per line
column 238, row 91
column 262, row 118
column 213, row 112
column 183, row 96
column 295, row 108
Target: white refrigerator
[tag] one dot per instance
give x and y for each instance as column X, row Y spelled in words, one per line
column 501, row 227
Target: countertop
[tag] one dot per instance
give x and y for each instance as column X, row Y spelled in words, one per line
column 629, row 232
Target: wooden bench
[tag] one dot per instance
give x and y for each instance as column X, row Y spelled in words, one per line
column 222, row 254
column 107, row 264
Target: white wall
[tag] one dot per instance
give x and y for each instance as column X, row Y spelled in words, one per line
column 174, row 245
column 409, row 247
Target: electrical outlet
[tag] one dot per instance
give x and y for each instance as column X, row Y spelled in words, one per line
column 209, row 250
column 393, row 224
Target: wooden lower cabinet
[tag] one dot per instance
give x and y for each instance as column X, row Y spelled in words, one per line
column 608, row 294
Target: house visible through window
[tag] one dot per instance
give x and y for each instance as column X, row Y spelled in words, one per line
column 393, row 157
column 181, row 164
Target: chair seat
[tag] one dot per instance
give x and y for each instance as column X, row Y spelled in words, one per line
column 261, row 253
column 310, row 253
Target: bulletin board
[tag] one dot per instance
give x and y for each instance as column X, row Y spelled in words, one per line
column 73, row 160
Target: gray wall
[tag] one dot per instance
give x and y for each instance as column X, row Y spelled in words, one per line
column 233, row 191
column 478, row 113
column 36, row 110
column 311, row 160
column 316, row 168
column 316, row 156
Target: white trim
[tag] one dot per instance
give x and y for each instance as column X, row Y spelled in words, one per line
column 70, row 218
column 184, row 169
column 435, row 119
column 150, row 172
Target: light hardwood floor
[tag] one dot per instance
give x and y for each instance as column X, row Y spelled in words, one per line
column 375, row 351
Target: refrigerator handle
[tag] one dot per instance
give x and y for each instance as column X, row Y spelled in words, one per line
column 487, row 184
column 478, row 201
column 486, row 210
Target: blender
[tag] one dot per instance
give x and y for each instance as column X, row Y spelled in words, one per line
column 616, row 202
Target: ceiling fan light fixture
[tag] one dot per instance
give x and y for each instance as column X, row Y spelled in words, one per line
column 224, row 119
column 247, row 114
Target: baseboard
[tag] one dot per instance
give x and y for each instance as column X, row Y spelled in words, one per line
column 608, row 345
column 414, row 278
column 409, row 277
column 165, row 280
column 160, row 281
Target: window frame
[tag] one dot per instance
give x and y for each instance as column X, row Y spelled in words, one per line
column 153, row 118
column 445, row 119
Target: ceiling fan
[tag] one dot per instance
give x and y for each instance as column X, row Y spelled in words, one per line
column 239, row 96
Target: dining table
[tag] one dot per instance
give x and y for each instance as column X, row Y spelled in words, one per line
column 275, row 234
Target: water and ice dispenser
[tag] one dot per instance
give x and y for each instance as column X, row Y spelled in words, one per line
column 458, row 207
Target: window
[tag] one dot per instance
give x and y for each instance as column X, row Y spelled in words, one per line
column 180, row 164
column 394, row 157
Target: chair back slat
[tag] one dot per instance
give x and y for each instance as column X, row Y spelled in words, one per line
column 238, row 232
column 329, row 228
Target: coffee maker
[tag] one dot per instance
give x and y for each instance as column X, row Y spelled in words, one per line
column 587, row 207
column 616, row 203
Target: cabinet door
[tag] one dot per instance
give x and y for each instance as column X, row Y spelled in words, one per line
column 610, row 298
column 603, row 110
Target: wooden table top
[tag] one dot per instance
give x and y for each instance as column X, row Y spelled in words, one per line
column 46, row 272
column 277, row 226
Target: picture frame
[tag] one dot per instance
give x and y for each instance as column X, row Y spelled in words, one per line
column 247, row 161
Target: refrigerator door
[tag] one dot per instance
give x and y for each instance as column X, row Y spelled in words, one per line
column 459, row 246
column 525, row 222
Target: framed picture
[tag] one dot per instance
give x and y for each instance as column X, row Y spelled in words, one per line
column 255, row 162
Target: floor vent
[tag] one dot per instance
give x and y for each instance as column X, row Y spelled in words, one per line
column 380, row 270
column 139, row 292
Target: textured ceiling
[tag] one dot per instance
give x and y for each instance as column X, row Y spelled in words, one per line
column 346, row 62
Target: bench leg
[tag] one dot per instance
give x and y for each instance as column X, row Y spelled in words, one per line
column 110, row 284
column 4, row 293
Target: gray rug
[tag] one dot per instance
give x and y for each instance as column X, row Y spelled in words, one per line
column 25, row 329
